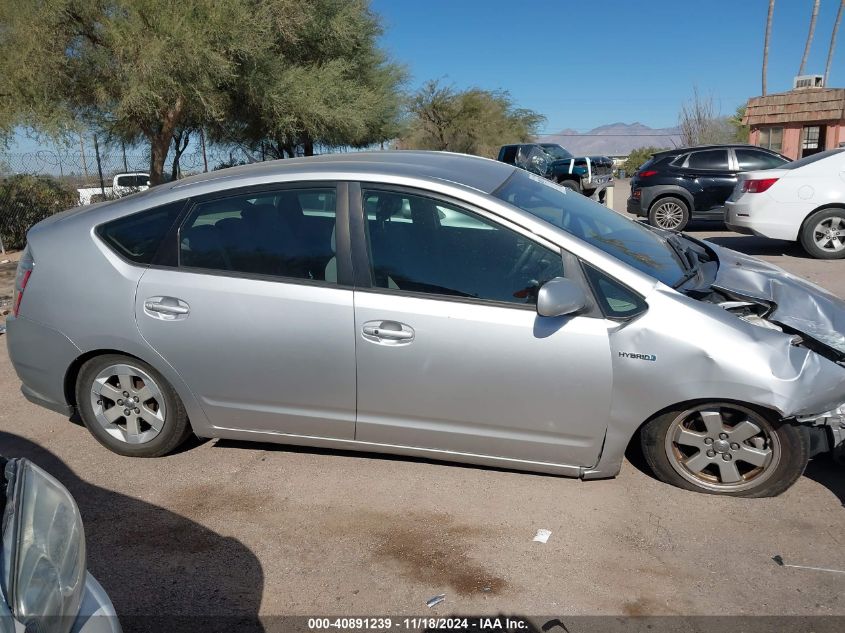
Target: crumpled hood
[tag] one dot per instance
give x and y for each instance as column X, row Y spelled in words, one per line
column 799, row 304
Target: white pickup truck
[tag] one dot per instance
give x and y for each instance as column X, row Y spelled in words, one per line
column 122, row 185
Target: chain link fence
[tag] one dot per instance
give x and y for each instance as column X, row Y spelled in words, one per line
column 35, row 185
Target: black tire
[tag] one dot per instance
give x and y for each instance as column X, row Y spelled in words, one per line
column 814, row 226
column 571, row 184
column 664, row 209
column 787, row 444
column 174, row 426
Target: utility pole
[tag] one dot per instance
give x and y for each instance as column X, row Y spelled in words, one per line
column 99, row 166
column 204, row 157
column 82, row 153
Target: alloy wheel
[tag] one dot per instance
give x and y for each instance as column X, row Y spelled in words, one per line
column 829, row 234
column 128, row 404
column 668, row 215
column 722, row 448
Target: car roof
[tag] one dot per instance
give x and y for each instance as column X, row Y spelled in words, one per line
column 481, row 174
column 698, row 148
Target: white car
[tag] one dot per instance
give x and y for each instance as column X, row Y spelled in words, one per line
column 803, row 201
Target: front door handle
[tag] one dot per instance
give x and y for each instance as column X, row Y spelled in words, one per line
column 387, row 331
column 154, row 306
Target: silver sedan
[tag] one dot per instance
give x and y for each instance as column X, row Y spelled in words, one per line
column 426, row 304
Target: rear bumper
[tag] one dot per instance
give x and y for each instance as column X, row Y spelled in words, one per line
column 739, row 218
column 635, row 206
column 41, row 357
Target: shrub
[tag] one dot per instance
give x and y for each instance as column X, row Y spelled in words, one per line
column 25, row 200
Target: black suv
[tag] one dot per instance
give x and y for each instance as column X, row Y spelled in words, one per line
column 674, row 186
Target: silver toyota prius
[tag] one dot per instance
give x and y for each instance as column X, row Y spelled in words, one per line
column 428, row 304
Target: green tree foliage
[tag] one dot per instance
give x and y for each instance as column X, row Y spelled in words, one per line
column 26, row 200
column 473, row 121
column 331, row 86
column 299, row 70
column 741, row 131
column 637, row 157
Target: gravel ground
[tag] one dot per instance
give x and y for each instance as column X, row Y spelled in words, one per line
column 248, row 529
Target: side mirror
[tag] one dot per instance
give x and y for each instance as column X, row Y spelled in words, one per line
column 559, row 297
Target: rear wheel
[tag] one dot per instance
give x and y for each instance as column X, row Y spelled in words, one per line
column 823, row 234
column 129, row 407
column 669, row 213
column 724, row 448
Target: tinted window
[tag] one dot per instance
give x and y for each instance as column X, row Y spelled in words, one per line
column 710, row 159
column 750, row 159
column 594, row 223
column 509, row 154
column 137, row 237
column 420, row 244
column 282, row 233
column 133, row 181
column 616, row 301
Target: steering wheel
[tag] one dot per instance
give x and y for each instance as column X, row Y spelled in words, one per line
column 523, row 259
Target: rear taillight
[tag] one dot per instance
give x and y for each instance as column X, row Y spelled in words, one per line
column 24, row 272
column 757, row 186
column 647, row 173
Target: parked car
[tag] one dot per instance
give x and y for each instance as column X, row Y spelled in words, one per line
column 122, row 185
column 678, row 185
column 590, row 175
column 44, row 585
column 341, row 301
column 801, row 201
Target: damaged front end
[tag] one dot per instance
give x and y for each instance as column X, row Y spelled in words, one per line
column 769, row 297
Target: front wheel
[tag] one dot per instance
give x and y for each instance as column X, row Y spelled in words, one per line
column 823, row 234
column 571, row 184
column 129, row 407
column 724, row 448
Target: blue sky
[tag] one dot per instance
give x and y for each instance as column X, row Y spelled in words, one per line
column 585, row 63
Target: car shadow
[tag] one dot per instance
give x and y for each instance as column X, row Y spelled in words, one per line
column 753, row 245
column 161, row 570
column 824, row 470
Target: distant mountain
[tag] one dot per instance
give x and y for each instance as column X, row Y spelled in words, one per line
column 615, row 139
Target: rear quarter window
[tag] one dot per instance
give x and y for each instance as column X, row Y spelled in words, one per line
column 137, row 237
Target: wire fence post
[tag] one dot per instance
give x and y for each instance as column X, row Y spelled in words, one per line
column 99, row 166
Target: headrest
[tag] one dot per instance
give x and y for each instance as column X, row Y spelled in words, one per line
column 388, row 206
column 259, row 212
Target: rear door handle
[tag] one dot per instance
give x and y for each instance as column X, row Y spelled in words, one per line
column 168, row 308
column 387, row 331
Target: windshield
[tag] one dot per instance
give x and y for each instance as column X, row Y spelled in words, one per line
column 594, row 223
column 556, row 151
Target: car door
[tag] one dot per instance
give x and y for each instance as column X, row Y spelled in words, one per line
column 253, row 310
column 713, row 177
column 451, row 353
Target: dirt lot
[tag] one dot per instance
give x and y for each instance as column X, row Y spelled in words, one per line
column 246, row 529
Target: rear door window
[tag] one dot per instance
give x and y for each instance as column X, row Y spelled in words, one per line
column 750, row 160
column 137, row 237
column 714, row 159
column 283, row 233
